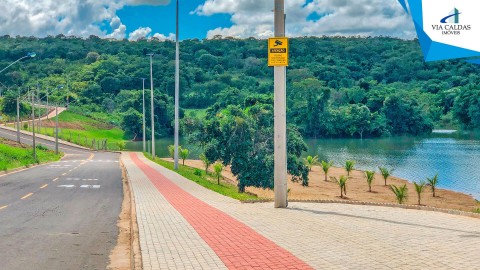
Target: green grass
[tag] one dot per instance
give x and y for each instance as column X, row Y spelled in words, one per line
column 207, row 181
column 92, row 130
column 12, row 157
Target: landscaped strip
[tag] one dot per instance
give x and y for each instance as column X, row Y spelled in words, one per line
column 13, row 155
column 206, row 181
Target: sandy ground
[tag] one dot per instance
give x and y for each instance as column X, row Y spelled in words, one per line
column 357, row 189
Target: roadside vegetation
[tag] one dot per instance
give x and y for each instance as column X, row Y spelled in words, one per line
column 210, row 180
column 13, row 155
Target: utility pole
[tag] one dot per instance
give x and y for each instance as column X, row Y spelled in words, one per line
column 33, row 127
column 151, row 105
column 48, row 108
column 18, row 118
column 56, row 130
column 177, row 93
column 280, row 119
column 39, row 110
column 144, row 143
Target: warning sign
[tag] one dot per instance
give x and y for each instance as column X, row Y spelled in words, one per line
column 278, row 52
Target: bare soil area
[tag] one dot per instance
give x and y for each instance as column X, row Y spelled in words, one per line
column 357, row 189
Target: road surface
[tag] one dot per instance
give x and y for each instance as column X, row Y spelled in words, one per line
column 60, row 215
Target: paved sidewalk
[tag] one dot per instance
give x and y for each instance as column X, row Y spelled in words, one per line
column 323, row 236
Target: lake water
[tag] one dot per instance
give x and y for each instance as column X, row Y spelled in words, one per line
column 454, row 156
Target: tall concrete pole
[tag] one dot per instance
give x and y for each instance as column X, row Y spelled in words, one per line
column 39, row 110
column 33, row 127
column 18, row 118
column 144, row 142
column 152, row 115
column 280, row 116
column 177, row 93
column 56, row 129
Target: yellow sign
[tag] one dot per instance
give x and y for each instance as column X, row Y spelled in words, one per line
column 278, row 52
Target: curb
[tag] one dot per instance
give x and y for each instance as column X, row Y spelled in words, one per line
column 20, row 169
column 392, row 205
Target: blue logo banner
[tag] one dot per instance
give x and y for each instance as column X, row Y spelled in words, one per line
column 446, row 29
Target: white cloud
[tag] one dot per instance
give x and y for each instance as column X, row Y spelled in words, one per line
column 162, row 37
column 141, row 32
column 68, row 17
column 315, row 18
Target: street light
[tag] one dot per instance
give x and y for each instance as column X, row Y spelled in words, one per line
column 144, row 142
column 151, row 103
column 177, row 93
column 29, row 55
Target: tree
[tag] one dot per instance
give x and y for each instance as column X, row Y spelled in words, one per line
column 419, row 189
column 310, row 161
column 217, row 171
column 385, row 173
column 184, row 153
column 342, row 183
column 349, row 164
column 370, row 176
column 132, row 122
column 433, row 183
column 401, row 193
column 325, row 167
column 205, row 161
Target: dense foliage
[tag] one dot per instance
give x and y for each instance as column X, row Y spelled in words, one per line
column 337, row 87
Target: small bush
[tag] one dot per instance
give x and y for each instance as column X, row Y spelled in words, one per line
column 198, row 172
column 41, row 147
column 400, row 192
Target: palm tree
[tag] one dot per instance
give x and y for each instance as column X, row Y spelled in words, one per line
column 419, row 189
column 385, row 173
column 310, row 161
column 349, row 166
column 326, row 166
column 184, row 153
column 370, row 175
column 217, row 171
column 205, row 161
column 400, row 192
column 433, row 183
column 171, row 150
column 342, row 183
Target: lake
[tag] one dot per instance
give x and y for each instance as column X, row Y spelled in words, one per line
column 455, row 156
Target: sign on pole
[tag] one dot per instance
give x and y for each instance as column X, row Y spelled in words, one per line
column 446, row 29
column 278, row 52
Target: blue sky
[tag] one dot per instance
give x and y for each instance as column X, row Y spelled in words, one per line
column 161, row 19
column 134, row 19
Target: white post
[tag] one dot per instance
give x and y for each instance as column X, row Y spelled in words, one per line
column 33, row 127
column 152, row 116
column 280, row 119
column 18, row 119
column 56, row 129
column 177, row 93
column 144, row 142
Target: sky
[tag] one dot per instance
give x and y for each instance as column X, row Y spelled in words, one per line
column 134, row 19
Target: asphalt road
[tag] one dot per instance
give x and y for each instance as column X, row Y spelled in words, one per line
column 60, row 215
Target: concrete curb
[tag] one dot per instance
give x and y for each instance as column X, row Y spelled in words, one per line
column 135, row 254
column 13, row 171
column 393, row 205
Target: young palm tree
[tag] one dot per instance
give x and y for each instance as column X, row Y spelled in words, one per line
column 171, row 150
column 326, row 166
column 342, row 183
column 419, row 189
column 370, row 175
column 184, row 153
column 349, row 164
column 217, row 171
column 385, row 173
column 400, row 192
column 205, row 161
column 310, row 161
column 433, row 183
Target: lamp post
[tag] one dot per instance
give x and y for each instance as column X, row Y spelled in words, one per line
column 18, row 118
column 152, row 116
column 29, row 55
column 56, row 123
column 177, row 93
column 144, row 142
column 33, row 128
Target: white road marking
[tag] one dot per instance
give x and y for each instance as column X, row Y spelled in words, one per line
column 70, row 179
column 90, row 186
column 66, row 186
column 89, row 179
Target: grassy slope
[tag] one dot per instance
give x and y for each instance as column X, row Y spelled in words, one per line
column 13, row 155
column 92, row 129
column 207, row 181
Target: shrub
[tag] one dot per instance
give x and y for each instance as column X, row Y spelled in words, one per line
column 325, row 167
column 342, row 183
column 184, row 153
column 197, row 172
column 400, row 192
column 41, row 147
column 349, row 164
column 419, row 189
column 385, row 173
column 205, row 161
column 121, row 146
column 433, row 183
column 310, row 161
column 217, row 171
column 370, row 175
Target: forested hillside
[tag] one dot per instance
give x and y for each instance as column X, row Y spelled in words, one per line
column 337, row 87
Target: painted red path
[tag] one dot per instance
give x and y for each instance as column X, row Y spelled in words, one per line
column 237, row 245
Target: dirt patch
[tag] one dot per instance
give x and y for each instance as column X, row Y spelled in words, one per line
column 357, row 189
column 126, row 254
column 12, row 143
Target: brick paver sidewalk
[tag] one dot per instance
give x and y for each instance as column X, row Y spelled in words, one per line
column 184, row 226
